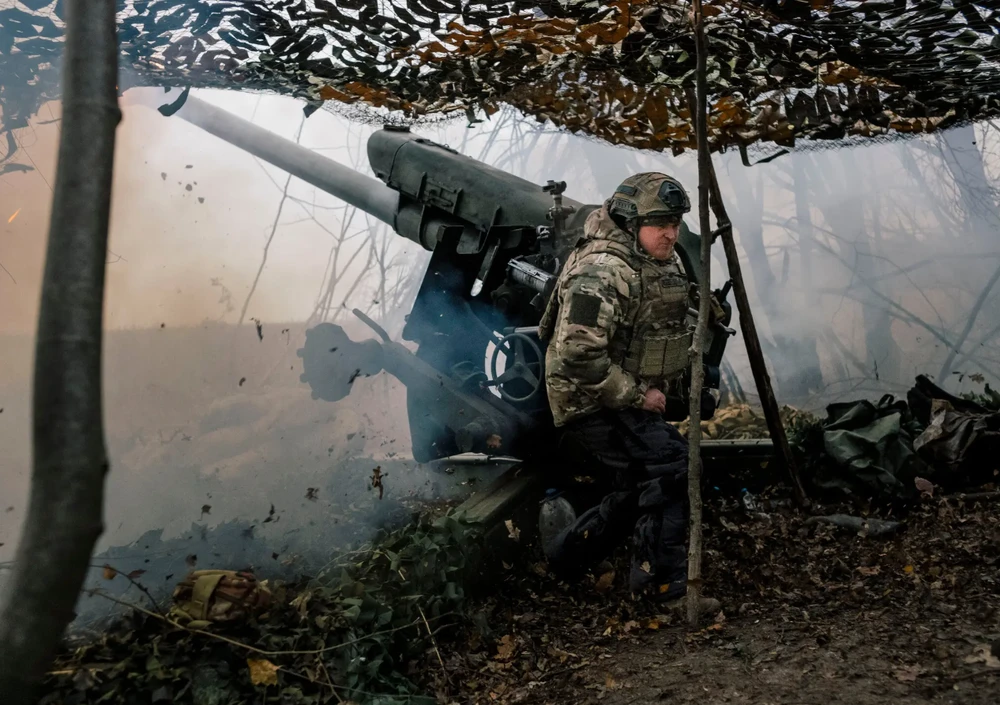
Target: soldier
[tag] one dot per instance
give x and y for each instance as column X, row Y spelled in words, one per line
column 619, row 331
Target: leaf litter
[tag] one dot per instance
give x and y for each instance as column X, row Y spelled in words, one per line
column 808, row 609
column 809, row 612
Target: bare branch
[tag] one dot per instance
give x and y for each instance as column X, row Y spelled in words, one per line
column 270, row 238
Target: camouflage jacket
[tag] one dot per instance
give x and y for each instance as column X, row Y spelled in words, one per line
column 617, row 323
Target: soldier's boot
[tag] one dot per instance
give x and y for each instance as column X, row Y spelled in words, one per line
column 555, row 516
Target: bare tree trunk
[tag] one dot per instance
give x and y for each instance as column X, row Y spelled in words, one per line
column 794, row 361
column 695, row 352
column 882, row 351
column 810, row 375
column 64, row 516
column 965, row 162
column 886, row 356
column 757, row 363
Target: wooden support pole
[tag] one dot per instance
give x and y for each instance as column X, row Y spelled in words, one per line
column 760, row 376
column 695, row 353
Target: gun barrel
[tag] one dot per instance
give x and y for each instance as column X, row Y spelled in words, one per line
column 364, row 192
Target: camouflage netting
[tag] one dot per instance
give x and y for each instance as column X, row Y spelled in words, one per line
column 622, row 71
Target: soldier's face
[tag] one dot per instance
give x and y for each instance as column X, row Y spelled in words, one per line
column 658, row 240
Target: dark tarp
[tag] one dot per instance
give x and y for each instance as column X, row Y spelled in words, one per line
column 878, row 450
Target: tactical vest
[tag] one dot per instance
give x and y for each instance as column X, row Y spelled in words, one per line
column 653, row 339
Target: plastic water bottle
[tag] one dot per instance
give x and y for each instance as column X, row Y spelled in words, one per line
column 555, row 515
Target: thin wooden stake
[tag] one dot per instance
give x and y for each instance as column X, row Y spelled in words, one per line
column 760, row 376
column 695, row 353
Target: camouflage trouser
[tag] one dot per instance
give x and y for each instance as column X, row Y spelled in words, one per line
column 645, row 461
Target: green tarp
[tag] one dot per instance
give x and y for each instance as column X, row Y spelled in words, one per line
column 878, row 450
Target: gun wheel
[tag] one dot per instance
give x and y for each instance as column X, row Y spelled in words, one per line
column 523, row 376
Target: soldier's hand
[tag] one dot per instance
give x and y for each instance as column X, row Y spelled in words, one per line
column 654, row 401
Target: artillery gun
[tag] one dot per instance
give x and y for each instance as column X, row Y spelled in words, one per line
column 476, row 380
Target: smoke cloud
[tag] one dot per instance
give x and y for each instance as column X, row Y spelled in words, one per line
column 865, row 267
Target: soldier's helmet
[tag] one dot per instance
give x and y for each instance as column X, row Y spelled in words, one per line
column 648, row 195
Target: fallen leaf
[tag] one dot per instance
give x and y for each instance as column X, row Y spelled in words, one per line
column 512, row 530
column 908, row 569
column 610, row 683
column 653, row 624
column 136, row 573
column 983, row 654
column 645, row 567
column 493, row 441
column 301, row 602
column 84, row 679
column 262, row 672
column 506, row 647
column 926, row 487
column 908, row 674
column 605, row 582
column 109, row 573
column 206, row 509
column 866, row 570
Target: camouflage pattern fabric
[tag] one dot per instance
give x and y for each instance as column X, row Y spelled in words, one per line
column 617, row 324
column 792, row 73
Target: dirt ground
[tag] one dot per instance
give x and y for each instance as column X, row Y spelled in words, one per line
column 811, row 614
